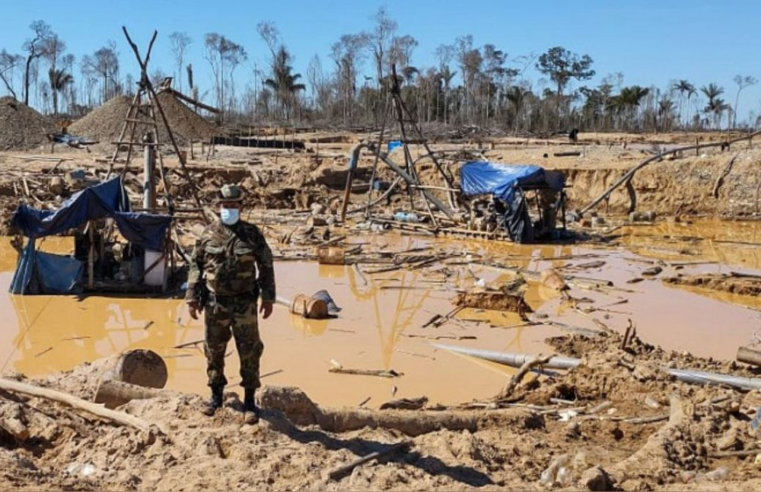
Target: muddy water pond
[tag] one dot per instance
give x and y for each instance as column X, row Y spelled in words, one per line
column 380, row 326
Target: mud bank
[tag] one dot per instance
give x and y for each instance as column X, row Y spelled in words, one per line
column 615, row 421
column 673, row 187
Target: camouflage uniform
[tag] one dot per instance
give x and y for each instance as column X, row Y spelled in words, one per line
column 224, row 267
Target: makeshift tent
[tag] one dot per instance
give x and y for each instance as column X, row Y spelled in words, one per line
column 45, row 273
column 507, row 184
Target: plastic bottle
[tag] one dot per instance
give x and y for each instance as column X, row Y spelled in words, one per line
column 549, row 475
column 406, row 217
column 564, row 477
column 718, row 474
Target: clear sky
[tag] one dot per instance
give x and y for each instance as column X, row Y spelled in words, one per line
column 650, row 41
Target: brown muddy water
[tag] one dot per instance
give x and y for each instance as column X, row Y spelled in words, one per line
column 383, row 313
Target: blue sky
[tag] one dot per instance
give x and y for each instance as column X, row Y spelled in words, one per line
column 651, row 42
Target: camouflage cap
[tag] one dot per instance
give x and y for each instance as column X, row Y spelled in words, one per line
column 230, row 193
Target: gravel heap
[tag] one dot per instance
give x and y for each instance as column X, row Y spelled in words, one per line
column 105, row 123
column 21, row 127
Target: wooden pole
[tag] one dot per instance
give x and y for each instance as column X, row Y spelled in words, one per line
column 346, row 469
column 75, row 402
column 149, row 170
column 91, row 257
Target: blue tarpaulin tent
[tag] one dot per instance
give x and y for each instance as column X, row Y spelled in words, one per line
column 46, row 273
column 502, row 181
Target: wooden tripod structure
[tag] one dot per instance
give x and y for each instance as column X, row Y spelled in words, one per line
column 410, row 134
column 407, row 126
column 142, row 113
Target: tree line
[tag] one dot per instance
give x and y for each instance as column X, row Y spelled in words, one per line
column 468, row 85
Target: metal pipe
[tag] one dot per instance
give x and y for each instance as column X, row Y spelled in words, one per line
column 149, row 170
column 684, row 375
column 411, row 181
column 510, row 358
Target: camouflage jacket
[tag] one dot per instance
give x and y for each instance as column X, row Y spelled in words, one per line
column 225, row 261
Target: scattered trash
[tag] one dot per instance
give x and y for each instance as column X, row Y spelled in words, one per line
column 549, row 476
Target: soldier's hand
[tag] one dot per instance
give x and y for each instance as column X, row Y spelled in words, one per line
column 194, row 309
column 266, row 309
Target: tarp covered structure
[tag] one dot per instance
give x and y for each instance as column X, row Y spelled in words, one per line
column 503, row 182
column 45, row 273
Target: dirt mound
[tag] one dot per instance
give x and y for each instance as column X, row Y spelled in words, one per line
column 734, row 283
column 21, row 127
column 105, row 123
column 618, row 418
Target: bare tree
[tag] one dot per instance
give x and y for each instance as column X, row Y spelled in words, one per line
column 157, row 76
column 224, row 56
column 88, row 78
column 105, row 64
column 742, row 82
column 379, row 40
column 400, row 51
column 8, row 64
column 179, row 41
column 444, row 55
column 34, row 48
column 347, row 53
column 53, row 48
column 471, row 62
column 269, row 34
column 70, row 96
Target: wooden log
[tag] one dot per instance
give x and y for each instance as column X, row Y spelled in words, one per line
column 141, row 367
column 346, row 469
column 113, row 393
column 366, row 372
column 748, row 355
column 75, row 402
column 301, row 410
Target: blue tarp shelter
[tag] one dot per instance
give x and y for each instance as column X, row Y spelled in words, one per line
column 503, row 181
column 46, row 273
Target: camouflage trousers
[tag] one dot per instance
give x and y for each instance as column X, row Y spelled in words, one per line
column 233, row 317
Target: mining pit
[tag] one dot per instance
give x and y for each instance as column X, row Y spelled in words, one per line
column 678, row 290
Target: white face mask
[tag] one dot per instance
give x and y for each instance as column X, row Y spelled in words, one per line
column 229, row 216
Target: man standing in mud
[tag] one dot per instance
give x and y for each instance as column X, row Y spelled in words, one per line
column 223, row 283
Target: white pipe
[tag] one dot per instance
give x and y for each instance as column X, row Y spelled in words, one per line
column 685, row 375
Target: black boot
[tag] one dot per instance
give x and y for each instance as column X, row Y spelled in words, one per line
column 249, row 407
column 215, row 402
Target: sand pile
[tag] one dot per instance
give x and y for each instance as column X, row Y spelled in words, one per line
column 105, row 123
column 21, row 127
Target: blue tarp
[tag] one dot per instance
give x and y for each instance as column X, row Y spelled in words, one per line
column 501, row 180
column 46, row 273
column 96, row 202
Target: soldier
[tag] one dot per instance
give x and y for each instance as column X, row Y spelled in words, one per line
column 223, row 283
